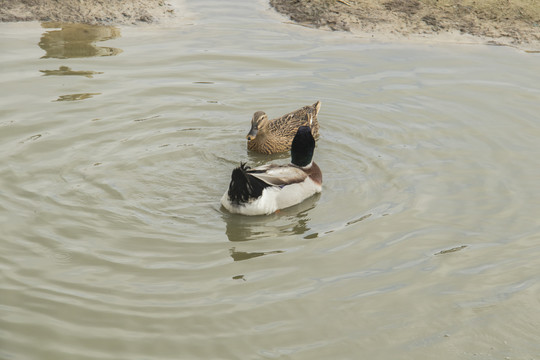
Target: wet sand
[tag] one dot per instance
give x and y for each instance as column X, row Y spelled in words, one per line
column 501, row 22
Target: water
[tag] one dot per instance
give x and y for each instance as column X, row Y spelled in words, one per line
column 117, row 144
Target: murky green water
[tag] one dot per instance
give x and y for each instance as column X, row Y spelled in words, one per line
column 117, row 144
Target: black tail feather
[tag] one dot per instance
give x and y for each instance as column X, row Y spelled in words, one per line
column 243, row 186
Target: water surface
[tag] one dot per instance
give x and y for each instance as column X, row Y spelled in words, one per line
column 117, row 144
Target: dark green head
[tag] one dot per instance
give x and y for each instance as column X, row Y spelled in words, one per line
column 302, row 147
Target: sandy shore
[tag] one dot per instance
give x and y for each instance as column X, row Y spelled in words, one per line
column 109, row 12
column 503, row 22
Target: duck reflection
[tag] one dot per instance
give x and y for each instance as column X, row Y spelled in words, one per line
column 243, row 255
column 77, row 40
column 290, row 221
column 293, row 221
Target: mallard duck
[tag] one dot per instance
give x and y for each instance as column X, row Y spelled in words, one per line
column 269, row 188
column 274, row 136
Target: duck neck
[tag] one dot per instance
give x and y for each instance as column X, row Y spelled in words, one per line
column 307, row 167
column 259, row 141
column 302, row 159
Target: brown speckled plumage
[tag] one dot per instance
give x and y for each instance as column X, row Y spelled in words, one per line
column 274, row 136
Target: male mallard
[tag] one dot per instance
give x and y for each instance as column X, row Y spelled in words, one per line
column 276, row 135
column 268, row 188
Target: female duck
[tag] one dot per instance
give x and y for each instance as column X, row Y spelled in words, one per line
column 274, row 136
column 268, row 188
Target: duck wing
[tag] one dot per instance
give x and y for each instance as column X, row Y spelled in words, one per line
column 288, row 124
column 279, row 175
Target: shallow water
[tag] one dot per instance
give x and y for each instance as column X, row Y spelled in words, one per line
column 118, row 143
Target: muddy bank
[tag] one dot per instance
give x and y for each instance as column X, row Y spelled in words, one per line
column 87, row 11
column 505, row 22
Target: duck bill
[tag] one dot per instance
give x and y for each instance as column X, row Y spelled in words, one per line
column 252, row 134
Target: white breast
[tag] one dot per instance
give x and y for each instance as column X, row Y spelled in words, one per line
column 296, row 193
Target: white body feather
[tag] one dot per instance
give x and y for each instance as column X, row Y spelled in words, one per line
column 276, row 197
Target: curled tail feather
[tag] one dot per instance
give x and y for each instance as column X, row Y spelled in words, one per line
column 244, row 186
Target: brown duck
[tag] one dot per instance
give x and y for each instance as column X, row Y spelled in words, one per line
column 274, row 136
